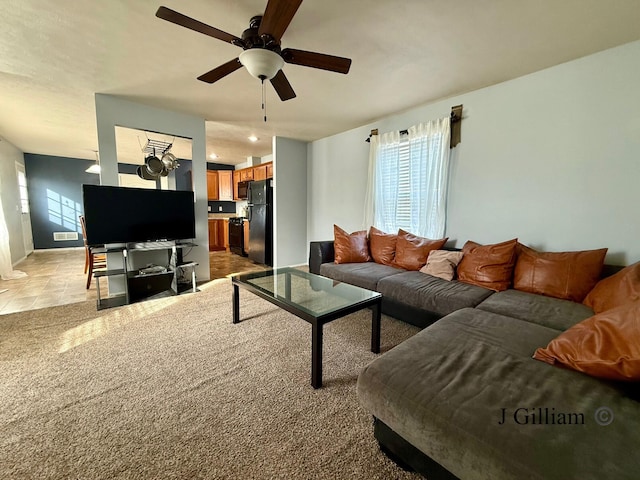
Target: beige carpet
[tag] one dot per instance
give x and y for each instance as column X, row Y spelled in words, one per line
column 170, row 388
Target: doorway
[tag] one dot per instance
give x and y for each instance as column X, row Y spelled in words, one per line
column 27, row 234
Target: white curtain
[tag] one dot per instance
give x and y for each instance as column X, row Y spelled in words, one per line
column 6, row 268
column 369, row 197
column 408, row 177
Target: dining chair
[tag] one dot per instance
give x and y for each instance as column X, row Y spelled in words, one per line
column 92, row 261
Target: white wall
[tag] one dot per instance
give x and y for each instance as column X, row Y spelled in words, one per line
column 552, row 158
column 290, row 202
column 10, row 197
column 112, row 111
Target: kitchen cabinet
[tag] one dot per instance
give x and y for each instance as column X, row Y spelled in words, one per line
column 236, row 181
column 213, row 192
column 225, row 234
column 260, row 173
column 250, row 174
column 246, row 174
column 217, row 237
column 220, row 185
column 225, row 185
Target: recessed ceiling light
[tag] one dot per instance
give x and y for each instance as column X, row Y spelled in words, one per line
column 253, row 138
column 213, row 156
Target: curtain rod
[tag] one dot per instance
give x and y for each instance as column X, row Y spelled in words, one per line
column 455, row 118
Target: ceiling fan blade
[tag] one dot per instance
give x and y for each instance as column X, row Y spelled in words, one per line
column 316, row 60
column 277, row 17
column 282, row 86
column 221, row 71
column 179, row 19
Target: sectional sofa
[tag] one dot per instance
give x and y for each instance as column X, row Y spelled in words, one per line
column 464, row 399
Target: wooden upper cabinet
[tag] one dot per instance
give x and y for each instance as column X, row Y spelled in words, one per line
column 225, row 185
column 260, row 173
column 236, row 181
column 212, row 185
column 246, row 174
column 270, row 170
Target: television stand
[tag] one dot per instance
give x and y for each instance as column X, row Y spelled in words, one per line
column 144, row 283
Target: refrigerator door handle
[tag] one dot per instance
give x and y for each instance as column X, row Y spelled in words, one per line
column 249, row 210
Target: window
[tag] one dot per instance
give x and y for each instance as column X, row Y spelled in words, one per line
column 23, row 192
column 410, row 179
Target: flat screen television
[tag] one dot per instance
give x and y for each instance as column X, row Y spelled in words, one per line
column 124, row 215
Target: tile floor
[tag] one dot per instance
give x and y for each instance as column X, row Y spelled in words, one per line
column 55, row 277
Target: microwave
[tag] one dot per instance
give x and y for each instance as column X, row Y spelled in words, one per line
column 243, row 190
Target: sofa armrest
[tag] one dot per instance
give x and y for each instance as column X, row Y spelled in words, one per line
column 319, row 253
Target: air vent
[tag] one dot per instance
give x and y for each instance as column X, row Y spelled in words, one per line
column 64, row 236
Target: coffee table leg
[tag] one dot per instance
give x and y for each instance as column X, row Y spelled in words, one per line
column 375, row 328
column 287, row 286
column 316, row 355
column 236, row 304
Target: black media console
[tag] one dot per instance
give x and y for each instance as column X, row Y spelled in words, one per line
column 143, row 283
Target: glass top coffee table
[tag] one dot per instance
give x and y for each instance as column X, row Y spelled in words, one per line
column 313, row 298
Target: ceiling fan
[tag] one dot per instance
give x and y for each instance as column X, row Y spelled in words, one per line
column 262, row 56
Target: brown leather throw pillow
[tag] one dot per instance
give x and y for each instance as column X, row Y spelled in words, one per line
column 615, row 290
column 566, row 275
column 350, row 248
column 606, row 345
column 382, row 246
column 412, row 251
column 488, row 266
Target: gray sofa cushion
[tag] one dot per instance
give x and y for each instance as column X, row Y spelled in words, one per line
column 431, row 293
column 444, row 391
column 547, row 311
column 365, row 275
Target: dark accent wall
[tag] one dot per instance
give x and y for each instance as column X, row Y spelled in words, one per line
column 183, row 175
column 55, row 197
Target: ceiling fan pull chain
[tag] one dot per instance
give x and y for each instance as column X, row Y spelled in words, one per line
column 264, row 100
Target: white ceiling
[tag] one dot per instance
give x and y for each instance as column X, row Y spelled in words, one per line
column 55, row 55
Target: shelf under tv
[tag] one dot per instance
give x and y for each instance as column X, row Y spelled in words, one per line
column 142, row 286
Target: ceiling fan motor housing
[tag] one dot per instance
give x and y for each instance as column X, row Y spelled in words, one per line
column 251, row 37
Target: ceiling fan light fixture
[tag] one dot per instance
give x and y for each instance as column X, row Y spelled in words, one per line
column 95, row 168
column 261, row 63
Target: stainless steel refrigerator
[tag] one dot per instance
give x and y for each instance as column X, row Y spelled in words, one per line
column 260, row 215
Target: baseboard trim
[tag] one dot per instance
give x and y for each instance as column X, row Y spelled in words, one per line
column 61, row 249
column 14, row 264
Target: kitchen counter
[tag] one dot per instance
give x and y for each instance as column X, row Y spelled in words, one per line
column 221, row 216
